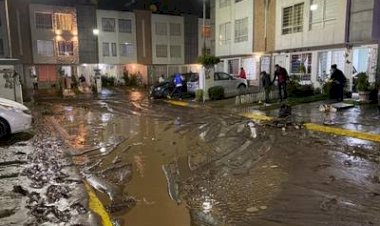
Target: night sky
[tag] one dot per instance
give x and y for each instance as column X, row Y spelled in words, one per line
column 162, row 6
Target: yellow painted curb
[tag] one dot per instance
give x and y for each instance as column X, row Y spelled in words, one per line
column 256, row 116
column 97, row 207
column 178, row 103
column 343, row 132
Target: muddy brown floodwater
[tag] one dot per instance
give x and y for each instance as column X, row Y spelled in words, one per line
column 155, row 164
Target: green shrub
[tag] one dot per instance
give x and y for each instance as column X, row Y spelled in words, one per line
column 326, row 88
column 199, row 95
column 295, row 89
column 107, row 81
column 208, row 60
column 216, row 93
column 362, row 82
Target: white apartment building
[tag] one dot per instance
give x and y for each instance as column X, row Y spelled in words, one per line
column 234, row 36
column 116, row 42
column 168, row 40
column 311, row 35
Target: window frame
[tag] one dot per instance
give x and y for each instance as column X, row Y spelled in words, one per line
column 238, row 34
column 108, row 49
column 324, row 18
column 128, row 30
column 293, row 27
column 49, row 27
column 40, row 52
column 171, row 30
column 226, row 35
column 166, row 51
column 178, row 47
column 113, row 22
column 67, row 48
column 57, row 21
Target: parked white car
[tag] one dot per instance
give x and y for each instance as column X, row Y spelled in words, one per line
column 14, row 117
column 227, row 81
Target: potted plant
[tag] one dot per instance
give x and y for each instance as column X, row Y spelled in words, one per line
column 363, row 87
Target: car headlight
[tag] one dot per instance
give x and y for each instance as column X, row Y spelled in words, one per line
column 27, row 112
column 158, row 88
column 15, row 109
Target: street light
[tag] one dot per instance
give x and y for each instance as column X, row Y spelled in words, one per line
column 313, row 7
column 95, row 31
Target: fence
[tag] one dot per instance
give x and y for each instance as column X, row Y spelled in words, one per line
column 255, row 97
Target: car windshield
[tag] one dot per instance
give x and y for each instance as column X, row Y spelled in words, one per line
column 194, row 78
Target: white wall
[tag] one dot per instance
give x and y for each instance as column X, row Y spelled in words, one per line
column 332, row 33
column 231, row 13
column 116, row 37
column 168, row 40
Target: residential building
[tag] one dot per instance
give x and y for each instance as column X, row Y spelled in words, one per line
column 310, row 37
column 364, row 36
column 116, row 42
column 234, row 36
column 55, row 45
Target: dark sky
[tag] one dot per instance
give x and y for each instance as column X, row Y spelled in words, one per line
column 163, row 6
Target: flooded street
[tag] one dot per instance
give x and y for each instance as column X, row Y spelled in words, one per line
column 156, row 164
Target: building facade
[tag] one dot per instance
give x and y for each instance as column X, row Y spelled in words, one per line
column 55, row 44
column 234, row 32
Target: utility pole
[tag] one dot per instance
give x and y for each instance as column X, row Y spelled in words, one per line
column 8, row 29
column 204, row 27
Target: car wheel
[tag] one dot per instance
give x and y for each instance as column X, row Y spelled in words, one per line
column 242, row 88
column 165, row 93
column 4, row 128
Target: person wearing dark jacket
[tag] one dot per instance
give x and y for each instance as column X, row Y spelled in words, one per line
column 338, row 83
column 282, row 78
column 267, row 83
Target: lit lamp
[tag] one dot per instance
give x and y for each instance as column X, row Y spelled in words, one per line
column 313, row 7
column 97, row 70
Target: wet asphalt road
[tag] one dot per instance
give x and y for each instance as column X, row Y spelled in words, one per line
column 156, row 164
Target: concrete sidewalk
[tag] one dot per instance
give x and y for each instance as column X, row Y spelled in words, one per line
column 361, row 121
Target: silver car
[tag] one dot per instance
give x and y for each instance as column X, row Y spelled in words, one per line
column 232, row 86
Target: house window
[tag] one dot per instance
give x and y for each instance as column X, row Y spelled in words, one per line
column 44, row 21
column 106, row 49
column 162, row 51
column 1, row 47
column 175, row 29
column 175, row 52
column 114, row 49
column 225, row 33
column 301, row 63
column 65, row 48
column 233, row 66
column 322, row 12
column 125, row 26
column 236, row 1
column 241, row 30
column 292, row 19
column 161, row 29
column 64, row 21
column 45, row 48
column 108, row 24
column 224, row 3
column 126, row 50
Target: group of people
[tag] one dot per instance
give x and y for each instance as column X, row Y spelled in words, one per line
column 281, row 75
